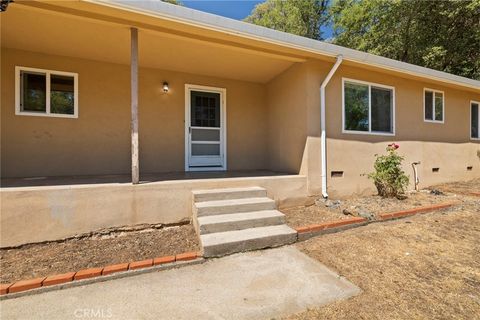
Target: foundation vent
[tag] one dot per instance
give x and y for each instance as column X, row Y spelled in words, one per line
column 337, row 174
column 435, row 170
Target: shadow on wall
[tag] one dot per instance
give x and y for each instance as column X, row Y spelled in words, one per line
column 426, row 136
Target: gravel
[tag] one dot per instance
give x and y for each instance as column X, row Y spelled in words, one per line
column 367, row 206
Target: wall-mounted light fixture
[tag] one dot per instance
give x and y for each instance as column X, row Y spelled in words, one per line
column 165, row 87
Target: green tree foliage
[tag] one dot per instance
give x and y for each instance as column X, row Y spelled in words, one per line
column 177, row 2
column 442, row 35
column 300, row 17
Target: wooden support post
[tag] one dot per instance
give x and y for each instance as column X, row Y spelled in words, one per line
column 134, row 101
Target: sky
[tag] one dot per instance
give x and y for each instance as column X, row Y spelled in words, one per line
column 235, row 9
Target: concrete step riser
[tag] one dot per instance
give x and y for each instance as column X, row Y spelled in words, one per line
column 240, row 225
column 226, row 209
column 229, row 195
column 247, row 245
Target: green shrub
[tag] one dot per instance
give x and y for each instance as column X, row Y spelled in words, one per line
column 388, row 177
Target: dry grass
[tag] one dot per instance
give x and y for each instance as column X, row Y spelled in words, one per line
column 423, row 267
column 461, row 187
column 313, row 214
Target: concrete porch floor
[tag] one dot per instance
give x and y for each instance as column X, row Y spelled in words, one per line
column 255, row 285
column 126, row 178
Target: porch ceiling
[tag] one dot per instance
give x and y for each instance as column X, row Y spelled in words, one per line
column 45, row 31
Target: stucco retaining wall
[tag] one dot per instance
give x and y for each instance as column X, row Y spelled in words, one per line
column 34, row 214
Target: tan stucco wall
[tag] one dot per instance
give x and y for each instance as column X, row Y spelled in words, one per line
column 272, row 126
column 447, row 146
column 294, row 124
column 294, row 130
column 98, row 142
column 34, row 214
column 287, row 115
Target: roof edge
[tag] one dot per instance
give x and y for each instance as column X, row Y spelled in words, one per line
column 214, row 22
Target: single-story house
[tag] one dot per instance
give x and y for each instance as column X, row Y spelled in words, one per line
column 112, row 112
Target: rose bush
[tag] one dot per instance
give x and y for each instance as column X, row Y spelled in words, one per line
column 388, row 177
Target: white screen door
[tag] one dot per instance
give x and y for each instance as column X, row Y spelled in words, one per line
column 205, row 143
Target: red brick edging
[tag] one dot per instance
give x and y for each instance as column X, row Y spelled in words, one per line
column 24, row 285
column 409, row 212
column 330, row 225
column 309, row 231
column 304, row 232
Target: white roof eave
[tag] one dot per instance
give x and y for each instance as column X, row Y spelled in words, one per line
column 201, row 19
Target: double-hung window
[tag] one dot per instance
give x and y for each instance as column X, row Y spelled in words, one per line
column 368, row 108
column 475, row 120
column 40, row 92
column 433, row 105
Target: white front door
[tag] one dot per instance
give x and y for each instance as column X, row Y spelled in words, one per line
column 204, row 128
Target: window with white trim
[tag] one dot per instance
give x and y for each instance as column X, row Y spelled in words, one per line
column 433, row 105
column 475, row 120
column 49, row 93
column 368, row 108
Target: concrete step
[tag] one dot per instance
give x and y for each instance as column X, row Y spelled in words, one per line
column 228, row 193
column 223, row 243
column 209, row 208
column 238, row 221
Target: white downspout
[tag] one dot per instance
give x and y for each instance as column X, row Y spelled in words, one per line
column 323, row 136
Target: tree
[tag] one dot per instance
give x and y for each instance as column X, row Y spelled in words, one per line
column 177, row 2
column 443, row 35
column 300, row 17
column 4, row 5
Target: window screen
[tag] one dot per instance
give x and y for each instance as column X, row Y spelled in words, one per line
column 381, row 110
column 356, row 107
column 475, row 118
column 33, row 86
column 428, row 105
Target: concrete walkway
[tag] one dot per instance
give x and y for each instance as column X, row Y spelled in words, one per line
column 254, row 285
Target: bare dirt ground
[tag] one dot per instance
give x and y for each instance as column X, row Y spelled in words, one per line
column 371, row 206
column 36, row 260
column 461, row 187
column 423, row 267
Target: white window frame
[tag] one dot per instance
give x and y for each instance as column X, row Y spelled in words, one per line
column 433, row 106
column 48, row 73
column 470, row 107
column 369, row 84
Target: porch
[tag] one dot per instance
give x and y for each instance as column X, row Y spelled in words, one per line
column 147, row 98
column 126, row 178
column 56, row 210
column 135, row 83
